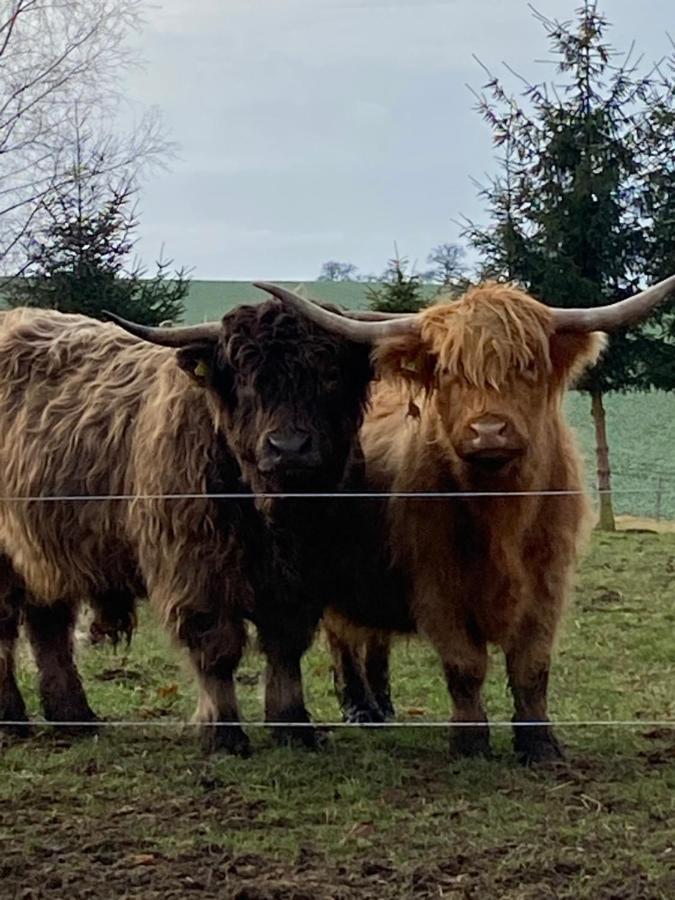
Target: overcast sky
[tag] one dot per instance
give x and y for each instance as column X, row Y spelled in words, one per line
column 327, row 129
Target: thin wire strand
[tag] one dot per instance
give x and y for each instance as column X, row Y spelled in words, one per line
column 361, row 495
column 180, row 723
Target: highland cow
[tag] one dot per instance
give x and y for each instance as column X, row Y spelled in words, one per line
column 137, row 429
column 469, row 402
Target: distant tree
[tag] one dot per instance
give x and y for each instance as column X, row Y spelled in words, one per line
column 582, row 208
column 338, row 271
column 447, row 265
column 79, row 265
column 399, row 290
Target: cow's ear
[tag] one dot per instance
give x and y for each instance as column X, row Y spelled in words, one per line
column 572, row 354
column 407, row 358
column 198, row 361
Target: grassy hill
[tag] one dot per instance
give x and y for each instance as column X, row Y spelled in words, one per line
column 641, row 430
column 209, row 300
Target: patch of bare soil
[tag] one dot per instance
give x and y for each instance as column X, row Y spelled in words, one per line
column 109, row 867
column 51, row 853
column 159, row 847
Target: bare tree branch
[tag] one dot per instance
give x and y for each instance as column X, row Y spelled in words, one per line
column 60, row 64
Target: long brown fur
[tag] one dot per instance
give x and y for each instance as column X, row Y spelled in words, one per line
column 86, row 409
column 481, row 569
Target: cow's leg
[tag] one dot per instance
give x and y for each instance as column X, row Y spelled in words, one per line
column 464, row 676
column 528, row 659
column 464, row 660
column 50, row 631
column 114, row 617
column 216, row 647
column 356, row 700
column 378, row 647
column 12, row 707
column 284, row 644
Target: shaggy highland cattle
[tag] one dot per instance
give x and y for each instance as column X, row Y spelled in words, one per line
column 151, row 422
column 469, row 402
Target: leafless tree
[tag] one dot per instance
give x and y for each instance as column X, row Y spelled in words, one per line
column 338, row 271
column 448, row 265
column 60, row 67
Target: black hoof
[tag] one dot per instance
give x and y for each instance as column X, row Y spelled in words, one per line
column 296, row 736
column 470, row 740
column 538, row 747
column 74, row 720
column 13, row 713
column 17, row 730
column 230, row 739
column 387, row 710
column 363, row 715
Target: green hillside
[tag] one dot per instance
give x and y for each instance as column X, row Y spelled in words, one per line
column 641, row 431
column 208, row 300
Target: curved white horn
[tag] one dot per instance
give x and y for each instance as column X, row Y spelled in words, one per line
column 365, row 332
column 615, row 315
column 169, row 337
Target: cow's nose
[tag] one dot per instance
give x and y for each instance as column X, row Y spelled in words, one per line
column 289, row 444
column 490, row 437
column 489, row 432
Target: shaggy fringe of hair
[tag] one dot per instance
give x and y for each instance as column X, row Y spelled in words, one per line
column 517, row 336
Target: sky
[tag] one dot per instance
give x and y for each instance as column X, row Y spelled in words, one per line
column 310, row 130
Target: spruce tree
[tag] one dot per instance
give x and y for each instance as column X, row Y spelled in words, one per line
column 399, row 290
column 80, row 262
column 581, row 211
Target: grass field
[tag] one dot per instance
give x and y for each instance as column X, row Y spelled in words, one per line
column 641, row 431
column 140, row 812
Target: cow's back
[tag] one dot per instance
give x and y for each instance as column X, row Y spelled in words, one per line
column 81, row 414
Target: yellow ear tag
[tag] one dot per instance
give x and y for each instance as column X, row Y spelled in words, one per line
column 410, row 365
column 201, row 369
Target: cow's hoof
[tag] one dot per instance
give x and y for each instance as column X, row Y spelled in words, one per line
column 537, row 748
column 230, row 739
column 363, row 715
column 75, row 720
column 13, row 717
column 12, row 728
column 296, row 736
column 387, row 710
column 470, row 740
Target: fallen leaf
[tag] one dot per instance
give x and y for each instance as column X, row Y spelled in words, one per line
column 361, row 830
column 169, row 690
column 143, row 859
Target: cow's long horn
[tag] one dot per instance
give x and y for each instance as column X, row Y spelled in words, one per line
column 169, row 337
column 371, row 315
column 353, row 329
column 616, row 315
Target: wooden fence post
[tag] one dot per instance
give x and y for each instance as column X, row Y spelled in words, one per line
column 659, row 491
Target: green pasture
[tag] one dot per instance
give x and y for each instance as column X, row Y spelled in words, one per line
column 141, row 812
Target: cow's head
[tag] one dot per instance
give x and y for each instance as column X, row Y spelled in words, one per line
column 288, row 394
column 490, row 370
column 491, row 367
